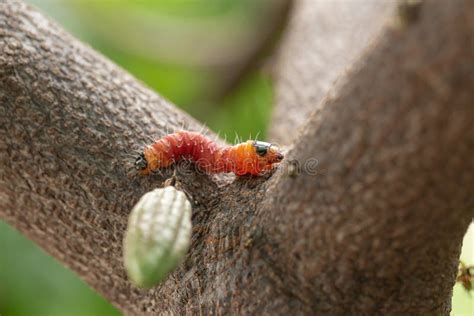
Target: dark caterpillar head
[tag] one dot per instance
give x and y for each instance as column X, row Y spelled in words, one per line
column 141, row 162
column 268, row 151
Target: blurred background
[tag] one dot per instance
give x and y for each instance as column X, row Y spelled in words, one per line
column 207, row 57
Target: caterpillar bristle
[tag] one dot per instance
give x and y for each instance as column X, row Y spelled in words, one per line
column 203, row 129
column 256, row 136
column 236, row 138
column 216, row 137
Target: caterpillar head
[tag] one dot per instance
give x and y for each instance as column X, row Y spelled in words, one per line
column 141, row 164
column 267, row 153
column 148, row 162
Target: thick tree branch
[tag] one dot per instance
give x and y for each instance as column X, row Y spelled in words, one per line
column 323, row 39
column 376, row 227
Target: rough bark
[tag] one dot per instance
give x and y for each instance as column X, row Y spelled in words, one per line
column 375, row 226
column 377, row 229
column 322, row 40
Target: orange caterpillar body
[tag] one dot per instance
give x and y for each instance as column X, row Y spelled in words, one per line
column 250, row 157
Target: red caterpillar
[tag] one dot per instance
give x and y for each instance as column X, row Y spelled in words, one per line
column 250, row 157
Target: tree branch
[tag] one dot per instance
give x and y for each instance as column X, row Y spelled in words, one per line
column 376, row 226
column 323, row 39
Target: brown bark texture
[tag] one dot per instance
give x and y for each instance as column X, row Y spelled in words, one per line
column 365, row 216
column 323, row 39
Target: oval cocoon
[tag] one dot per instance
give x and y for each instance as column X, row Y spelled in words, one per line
column 157, row 236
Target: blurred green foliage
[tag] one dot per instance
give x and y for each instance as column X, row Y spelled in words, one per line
column 32, row 282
